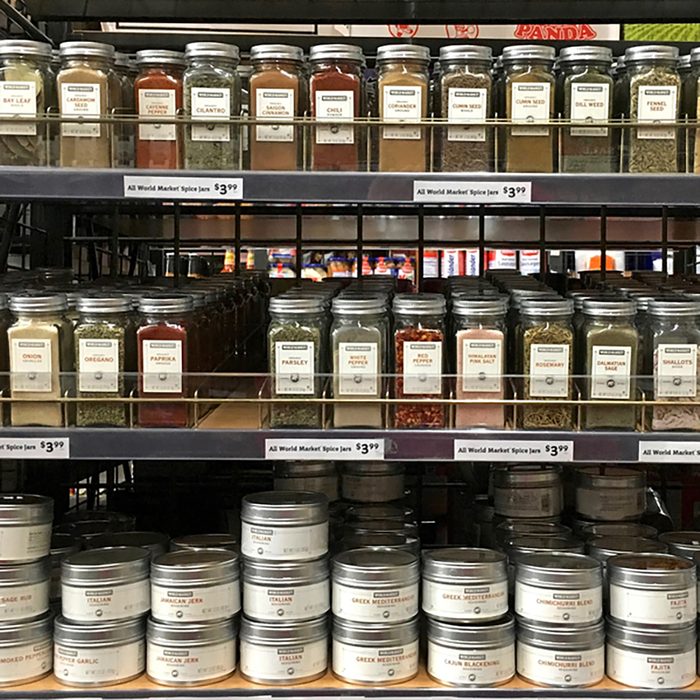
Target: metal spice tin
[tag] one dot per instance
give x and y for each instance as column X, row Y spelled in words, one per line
column 372, row 482
column 684, row 543
column 25, row 527
column 508, row 529
column 618, row 529
column 25, row 651
column 24, row 590
column 317, row 477
column 361, row 512
column 602, row 548
column 610, row 493
column 156, row 543
column 527, row 491
column 206, row 541
column 62, row 545
column 359, row 540
column 388, row 527
column 528, row 544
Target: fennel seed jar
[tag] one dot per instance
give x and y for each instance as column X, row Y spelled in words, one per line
column 610, row 493
column 651, row 657
column 527, row 491
column 683, row 543
column 316, row 477
column 208, row 540
column 479, row 655
column 375, row 654
column 25, row 527
column 290, row 591
column 465, row 584
column 652, row 589
column 561, row 657
column 99, row 654
column 24, row 590
column 190, row 654
column 375, row 585
column 25, row 651
column 100, row 585
column 372, row 482
column 284, row 653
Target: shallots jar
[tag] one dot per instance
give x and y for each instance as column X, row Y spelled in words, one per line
column 25, row 651
column 528, row 491
column 25, row 527
column 610, row 493
column 24, row 590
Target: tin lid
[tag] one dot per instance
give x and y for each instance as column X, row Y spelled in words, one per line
column 546, row 307
column 86, row 529
column 529, row 544
column 98, row 634
column 206, row 541
column 300, row 470
column 286, row 304
column 558, row 570
column 25, row 47
column 106, row 565
column 285, row 573
column 604, row 477
column 479, row 306
column 38, row 302
column 528, row 52
column 203, row 567
column 608, row 308
column 26, row 631
column 526, row 475
column 370, row 469
column 362, row 512
column 580, row 54
column 212, row 49
column 25, row 509
column 683, row 543
column 695, row 55
column 651, row 570
column 335, row 52
column 275, row 52
column 63, row 544
column 89, row 49
column 358, row 540
column 553, row 637
column 602, row 548
column 285, row 508
column 389, row 526
column 191, row 634
column 652, row 638
column 103, row 304
column 175, row 58
column 464, row 564
column 155, row 542
column 280, row 632
column 362, row 634
column 370, row 566
column 358, row 306
column 456, row 53
column 421, row 304
column 619, row 529
column 672, row 308
column 509, row 529
column 651, row 52
column 403, row 52
column 25, row 574
column 166, row 304
column 496, row 634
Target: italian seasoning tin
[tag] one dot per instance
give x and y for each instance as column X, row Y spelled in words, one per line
column 25, row 527
column 25, row 651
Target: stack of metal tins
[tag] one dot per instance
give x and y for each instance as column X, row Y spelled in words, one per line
column 286, row 588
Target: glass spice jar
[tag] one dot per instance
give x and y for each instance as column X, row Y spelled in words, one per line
column 692, row 94
column 419, row 335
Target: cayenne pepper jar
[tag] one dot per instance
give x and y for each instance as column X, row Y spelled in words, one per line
column 419, row 334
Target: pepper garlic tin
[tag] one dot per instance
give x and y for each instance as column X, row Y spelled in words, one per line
column 26, row 651
column 25, row 527
column 24, row 590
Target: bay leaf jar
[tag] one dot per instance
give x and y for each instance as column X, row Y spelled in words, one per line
column 403, row 86
column 529, row 90
column 278, row 94
column 212, row 98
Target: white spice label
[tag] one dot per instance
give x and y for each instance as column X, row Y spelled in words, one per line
column 31, row 365
column 103, row 603
column 531, row 102
column 162, row 366
column 611, row 372
column 24, row 543
column 590, row 102
column 292, row 603
column 99, row 365
column 557, row 668
column 657, row 104
column 26, row 661
column 280, row 543
column 466, row 105
column 471, row 666
column 24, row 601
column 578, row 606
column 422, row 367
column 358, row 367
column 375, row 664
column 649, row 607
column 549, row 370
column 99, row 666
column 610, row 504
column 192, row 664
column 335, row 106
column 18, row 99
column 642, row 670
column 157, row 103
column 482, row 365
column 284, row 663
column 402, row 103
column 294, row 368
column 676, row 371
column 274, row 105
column 374, row 604
column 81, row 100
column 195, row 604
column 211, row 104
column 458, row 602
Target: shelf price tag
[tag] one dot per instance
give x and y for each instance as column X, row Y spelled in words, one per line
column 35, row 448
column 172, row 189
column 359, row 449
column 514, row 450
column 669, row 452
column 468, row 192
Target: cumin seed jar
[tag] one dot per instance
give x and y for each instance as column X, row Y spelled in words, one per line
column 471, row 655
column 316, row 477
column 561, row 657
column 375, row 585
column 25, row 527
column 105, row 584
column 190, row 654
column 656, row 657
column 527, row 491
column 284, row 653
column 25, row 651
column 652, row 589
column 100, row 654
column 465, row 584
column 372, row 482
column 24, row 590
column 610, row 493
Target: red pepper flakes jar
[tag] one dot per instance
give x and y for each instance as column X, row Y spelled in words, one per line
column 166, row 345
column 158, row 93
column 419, row 351
column 336, row 88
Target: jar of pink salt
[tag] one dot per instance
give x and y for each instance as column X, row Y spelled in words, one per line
column 480, row 338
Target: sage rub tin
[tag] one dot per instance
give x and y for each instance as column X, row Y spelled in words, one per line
column 25, row 651
column 24, row 590
column 284, row 526
column 527, row 491
column 25, row 527
column 610, row 493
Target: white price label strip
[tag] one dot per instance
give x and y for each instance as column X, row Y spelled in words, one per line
column 169, row 189
column 35, row 448
column 669, row 452
column 464, row 192
column 322, row 448
column 515, row 450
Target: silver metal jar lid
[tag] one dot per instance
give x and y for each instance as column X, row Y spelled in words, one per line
column 547, row 307
column 421, row 304
column 285, row 574
column 580, row 54
column 105, row 566
column 465, row 52
column 103, row 305
column 191, row 634
column 608, row 308
column 359, row 540
column 206, row 541
column 299, row 470
column 683, row 543
column 358, row 306
column 203, row 568
column 619, row 529
column 37, row 303
column 491, row 635
column 651, row 639
column 362, row 634
column 275, row 52
column 373, row 469
column 528, row 52
column 695, row 55
column 335, row 52
column 526, row 476
column 86, row 529
column 673, row 308
column 166, row 304
column 25, row 47
column 558, row 570
column 98, row 634
column 362, row 512
column 388, row 526
column 652, row 52
column 284, row 508
column 375, row 566
column 212, row 49
column 532, row 544
column 155, row 542
column 25, row 509
column 610, row 478
column 26, row 631
column 89, row 49
column 148, row 56
column 403, row 52
column 296, row 305
column 602, row 548
column 274, row 633
column 462, row 565
column 514, row 528
column 479, row 306
column 25, row 574
column 651, row 571
column 555, row 638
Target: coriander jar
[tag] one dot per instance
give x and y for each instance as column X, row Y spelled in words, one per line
column 24, row 590
column 316, row 477
column 25, row 651
column 527, row 491
column 610, row 493
column 25, row 527
column 190, row 654
column 284, row 526
column 561, row 657
column 99, row 654
column 683, row 543
column 464, row 584
column 203, row 542
column 284, row 653
column 372, row 482
column 375, row 654
column 480, row 655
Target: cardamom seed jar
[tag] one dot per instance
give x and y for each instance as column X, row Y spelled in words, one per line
column 205, row 541
column 25, row 527
column 651, row 657
column 372, row 482
column 284, row 653
column 652, row 589
column 610, row 493
column 375, row 585
column 284, row 526
column 375, row 654
column 465, row 584
column 24, row 590
column 561, row 657
column 527, row 491
column 481, row 655
column 100, row 654
column 685, row 543
column 25, row 651
column 316, row 477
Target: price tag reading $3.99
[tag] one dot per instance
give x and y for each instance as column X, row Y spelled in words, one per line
column 359, row 449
